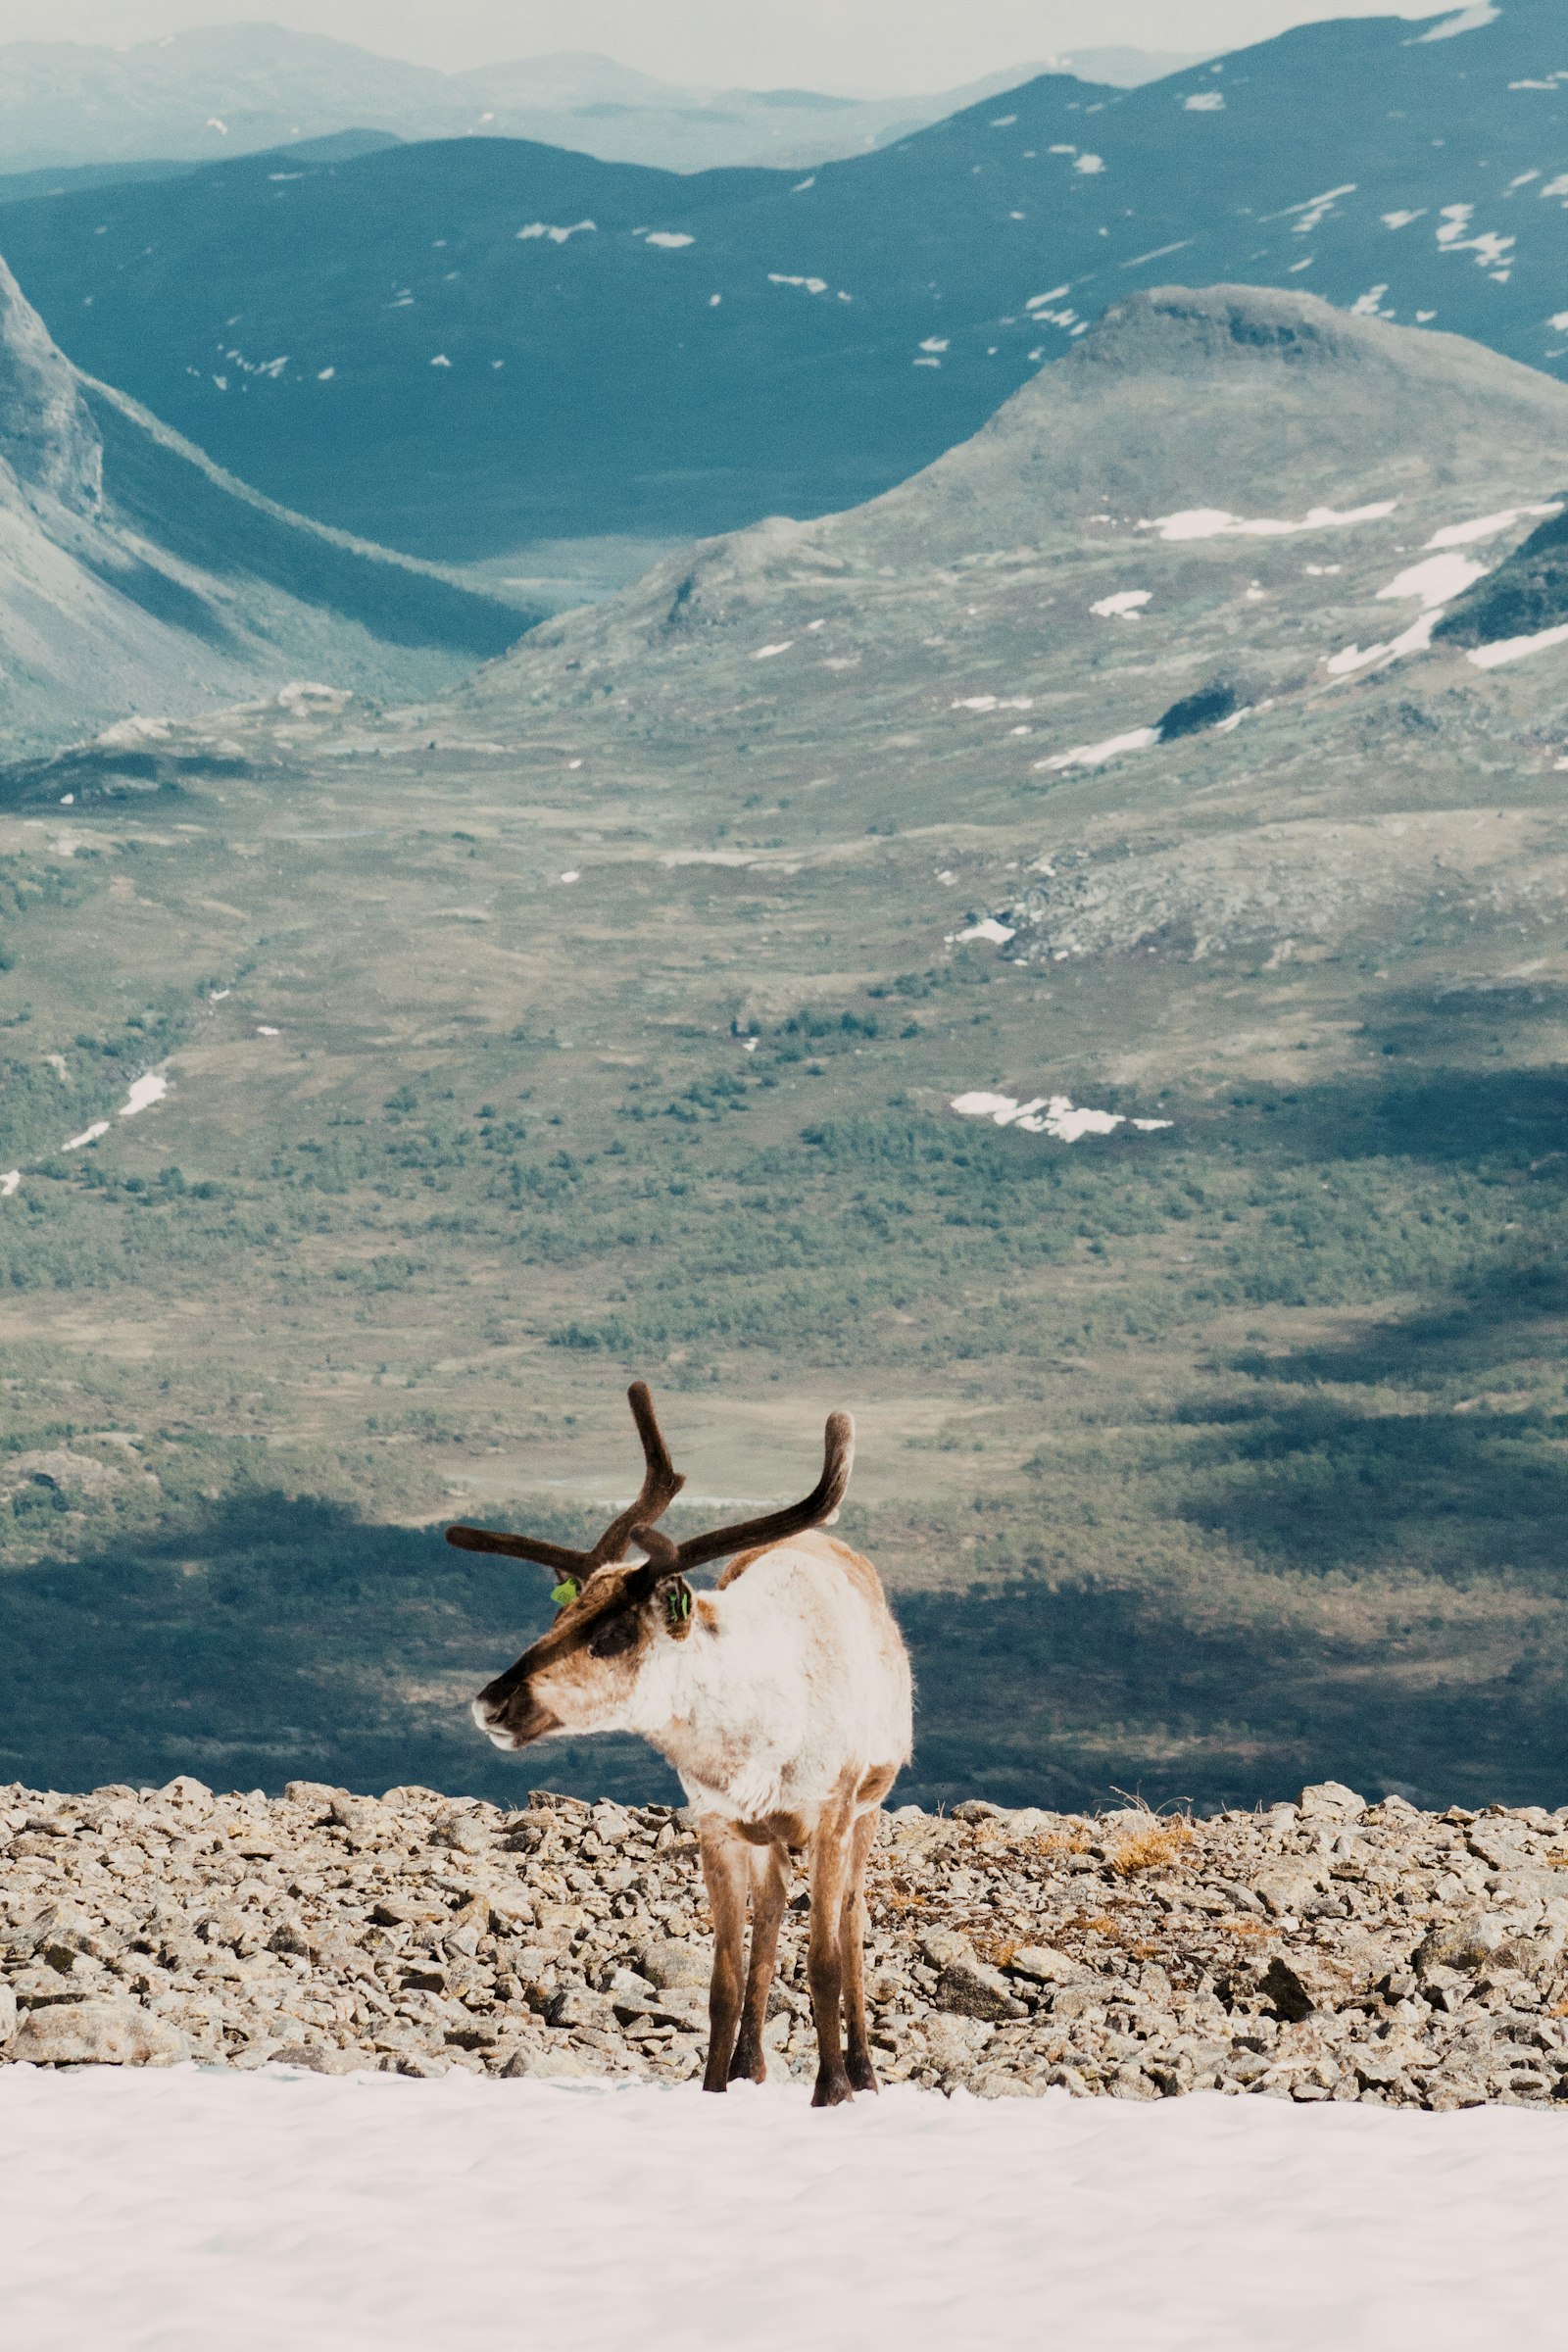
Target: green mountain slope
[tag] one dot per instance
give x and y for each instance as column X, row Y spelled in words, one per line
column 672, row 999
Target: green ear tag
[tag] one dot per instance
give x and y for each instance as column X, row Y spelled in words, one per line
column 678, row 1603
column 566, row 1591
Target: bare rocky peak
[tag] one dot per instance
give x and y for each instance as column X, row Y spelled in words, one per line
column 48, row 440
column 1241, row 397
column 1240, row 401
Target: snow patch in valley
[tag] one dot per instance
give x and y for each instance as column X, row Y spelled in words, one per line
column 8, row 1183
column 987, row 928
column 1125, row 604
column 669, row 240
column 175, row 2207
column 1218, row 522
column 1048, row 1115
column 88, row 1134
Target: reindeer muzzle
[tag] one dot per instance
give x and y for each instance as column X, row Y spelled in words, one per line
column 512, row 1718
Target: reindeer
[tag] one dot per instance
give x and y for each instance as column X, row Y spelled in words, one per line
column 782, row 1699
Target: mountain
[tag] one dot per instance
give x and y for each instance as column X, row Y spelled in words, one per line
column 135, row 573
column 1066, row 959
column 526, row 344
column 235, row 90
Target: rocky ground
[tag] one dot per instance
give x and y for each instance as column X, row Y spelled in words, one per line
column 1323, row 1951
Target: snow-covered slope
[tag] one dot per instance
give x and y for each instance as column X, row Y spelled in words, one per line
column 160, row 2212
column 137, row 576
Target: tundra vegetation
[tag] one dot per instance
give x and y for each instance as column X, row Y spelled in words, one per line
column 603, row 1020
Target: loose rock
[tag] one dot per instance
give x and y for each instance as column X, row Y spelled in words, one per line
column 1325, row 1950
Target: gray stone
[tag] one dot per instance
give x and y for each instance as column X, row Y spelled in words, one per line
column 1331, row 1801
column 667, row 1964
column 1289, row 1888
column 96, row 2033
column 545, row 2064
column 1042, row 1965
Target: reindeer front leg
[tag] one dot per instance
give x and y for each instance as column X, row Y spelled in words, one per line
column 769, row 1887
column 726, row 1870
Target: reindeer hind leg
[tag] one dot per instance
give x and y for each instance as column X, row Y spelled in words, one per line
column 852, row 1941
column 825, row 1959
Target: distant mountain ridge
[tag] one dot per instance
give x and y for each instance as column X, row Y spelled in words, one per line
column 459, row 348
column 235, row 90
column 135, row 574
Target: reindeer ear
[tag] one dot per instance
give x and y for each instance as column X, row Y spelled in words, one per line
column 677, row 1599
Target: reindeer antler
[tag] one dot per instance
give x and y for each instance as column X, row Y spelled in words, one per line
column 668, row 1559
column 662, row 1483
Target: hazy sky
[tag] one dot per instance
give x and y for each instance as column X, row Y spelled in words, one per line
column 834, row 44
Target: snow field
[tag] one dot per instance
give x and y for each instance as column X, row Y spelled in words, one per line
column 176, row 2210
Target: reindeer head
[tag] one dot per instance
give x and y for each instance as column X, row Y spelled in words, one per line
column 616, row 1614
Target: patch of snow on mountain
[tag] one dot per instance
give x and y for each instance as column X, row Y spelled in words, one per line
column 1468, row 20
column 669, row 240
column 1095, row 755
column 8, row 1183
column 88, row 1134
column 1515, row 648
column 766, row 653
column 144, row 1093
column 1414, row 640
column 1402, row 219
column 1486, row 527
column 987, row 928
column 1125, row 604
column 1204, row 102
column 811, row 285
column 1436, row 581
column 1218, row 522
column 1314, row 211
column 556, row 236
column 1090, row 164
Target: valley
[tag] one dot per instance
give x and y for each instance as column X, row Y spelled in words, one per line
column 604, row 1015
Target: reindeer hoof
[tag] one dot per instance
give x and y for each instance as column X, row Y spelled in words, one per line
column 863, row 2074
column 713, row 2082
column 833, row 2087
column 748, row 2065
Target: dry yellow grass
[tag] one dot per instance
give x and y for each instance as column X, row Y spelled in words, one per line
column 1158, row 1847
column 1000, row 1950
column 1075, row 1841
